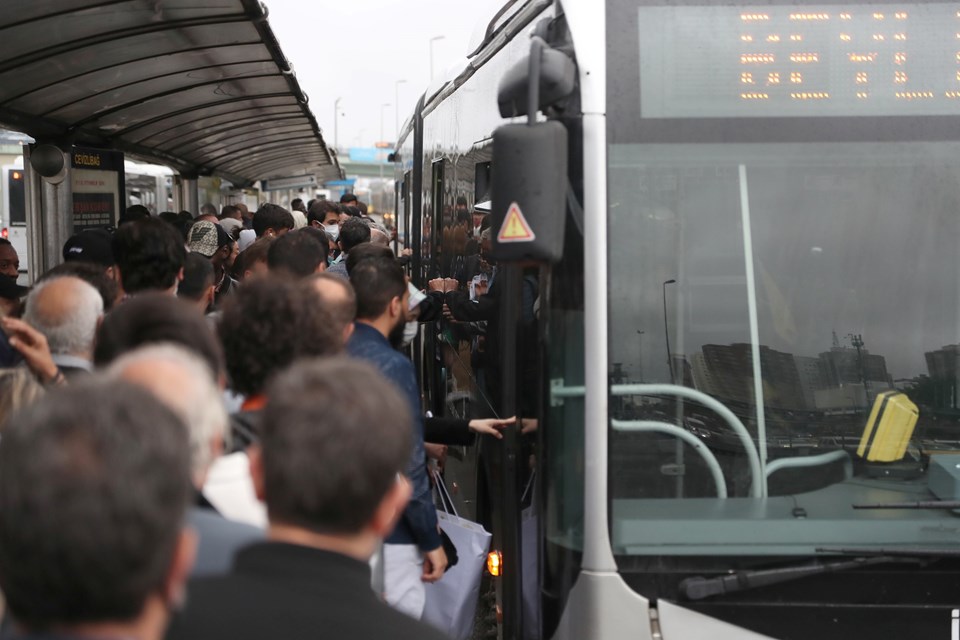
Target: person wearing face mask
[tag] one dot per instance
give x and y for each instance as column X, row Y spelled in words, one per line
column 325, row 214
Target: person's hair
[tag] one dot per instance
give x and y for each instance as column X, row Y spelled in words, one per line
column 320, row 236
column 5, row 243
column 133, row 213
column 91, row 273
column 268, row 324
column 208, row 209
column 319, row 210
column 197, row 277
column 256, row 252
column 367, row 251
column 94, row 485
column 171, row 218
column 350, row 210
column 354, row 232
column 230, row 211
column 297, row 203
column 184, row 222
column 271, row 216
column 298, row 253
column 329, row 462
column 362, row 207
column 348, row 198
column 149, row 254
column 18, row 390
column 343, row 309
column 69, row 326
column 376, row 282
column 152, row 318
column 200, row 407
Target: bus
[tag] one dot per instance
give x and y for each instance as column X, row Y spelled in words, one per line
column 737, row 360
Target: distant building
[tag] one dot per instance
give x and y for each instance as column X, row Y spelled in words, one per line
column 944, row 366
column 728, row 369
column 811, row 378
column 843, row 365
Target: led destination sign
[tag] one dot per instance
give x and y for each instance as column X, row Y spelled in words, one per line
column 830, row 60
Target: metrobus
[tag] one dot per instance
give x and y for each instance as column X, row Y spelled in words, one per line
column 742, row 358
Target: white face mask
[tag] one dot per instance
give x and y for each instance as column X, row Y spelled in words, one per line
column 410, row 331
column 332, row 230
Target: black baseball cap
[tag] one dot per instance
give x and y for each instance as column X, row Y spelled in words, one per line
column 92, row 245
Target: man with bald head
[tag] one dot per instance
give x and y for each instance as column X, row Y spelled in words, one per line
column 67, row 311
column 338, row 298
column 184, row 382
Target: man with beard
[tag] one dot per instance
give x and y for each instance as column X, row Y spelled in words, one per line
column 9, row 260
column 413, row 554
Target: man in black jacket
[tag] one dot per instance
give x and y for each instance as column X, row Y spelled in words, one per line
column 329, row 472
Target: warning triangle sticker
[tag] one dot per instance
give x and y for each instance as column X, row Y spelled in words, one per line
column 515, row 227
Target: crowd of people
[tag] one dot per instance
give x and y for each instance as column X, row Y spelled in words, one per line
column 209, row 427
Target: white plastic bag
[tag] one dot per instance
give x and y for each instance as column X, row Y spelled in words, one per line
column 452, row 601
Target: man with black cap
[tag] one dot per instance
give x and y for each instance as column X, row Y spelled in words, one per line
column 211, row 241
column 91, row 245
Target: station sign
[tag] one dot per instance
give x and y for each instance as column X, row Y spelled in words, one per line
column 97, row 181
column 293, row 182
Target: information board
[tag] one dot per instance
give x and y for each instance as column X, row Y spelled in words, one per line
column 799, row 61
column 97, row 182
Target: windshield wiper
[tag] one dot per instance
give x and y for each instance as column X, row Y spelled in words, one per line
column 917, row 553
column 698, row 587
column 923, row 504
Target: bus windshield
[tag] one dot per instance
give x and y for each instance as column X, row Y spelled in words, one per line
column 803, row 272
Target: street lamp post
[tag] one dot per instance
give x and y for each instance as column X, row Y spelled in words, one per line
column 336, row 119
column 666, row 328
column 640, row 333
column 678, row 447
column 382, row 107
column 432, row 40
column 396, row 101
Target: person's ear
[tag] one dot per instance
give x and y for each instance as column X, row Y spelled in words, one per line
column 180, row 275
column 210, row 295
column 348, row 332
column 391, row 507
column 255, row 455
column 396, row 307
column 184, row 555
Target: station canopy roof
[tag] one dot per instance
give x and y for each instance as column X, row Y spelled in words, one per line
column 200, row 86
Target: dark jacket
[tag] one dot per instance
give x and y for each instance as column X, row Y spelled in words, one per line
column 452, row 431
column 419, row 522
column 291, row 592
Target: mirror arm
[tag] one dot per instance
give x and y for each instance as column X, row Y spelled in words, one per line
column 533, row 79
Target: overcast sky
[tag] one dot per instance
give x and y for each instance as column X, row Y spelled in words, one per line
column 358, row 49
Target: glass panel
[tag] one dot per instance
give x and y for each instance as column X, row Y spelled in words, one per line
column 115, row 18
column 169, row 129
column 853, row 272
column 151, row 46
column 140, row 80
column 154, row 107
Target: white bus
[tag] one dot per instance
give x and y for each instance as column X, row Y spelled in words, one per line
column 761, row 207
